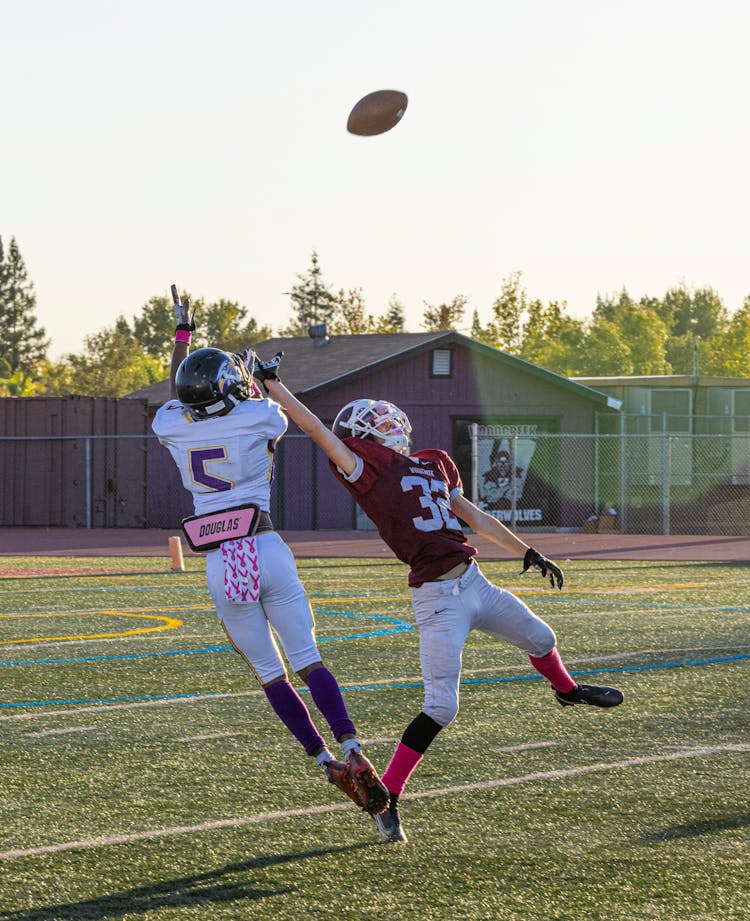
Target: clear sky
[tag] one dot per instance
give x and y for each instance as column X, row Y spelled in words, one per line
column 590, row 144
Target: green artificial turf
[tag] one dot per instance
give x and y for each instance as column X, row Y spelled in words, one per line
column 145, row 776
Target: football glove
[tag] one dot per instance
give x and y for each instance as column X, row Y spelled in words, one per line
column 266, row 370
column 546, row 567
column 246, row 358
column 182, row 312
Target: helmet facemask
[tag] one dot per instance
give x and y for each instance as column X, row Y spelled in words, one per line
column 211, row 382
column 375, row 420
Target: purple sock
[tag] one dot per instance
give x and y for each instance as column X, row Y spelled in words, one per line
column 291, row 710
column 326, row 693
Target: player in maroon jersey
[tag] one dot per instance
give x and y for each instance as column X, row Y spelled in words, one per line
column 415, row 499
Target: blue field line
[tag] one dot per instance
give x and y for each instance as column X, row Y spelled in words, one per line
column 120, row 658
column 400, row 627
column 386, row 687
column 145, row 698
column 535, row 676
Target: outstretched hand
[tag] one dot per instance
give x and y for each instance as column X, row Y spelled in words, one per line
column 266, row 370
column 546, row 567
column 182, row 312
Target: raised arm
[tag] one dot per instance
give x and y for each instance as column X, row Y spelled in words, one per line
column 334, row 447
column 182, row 336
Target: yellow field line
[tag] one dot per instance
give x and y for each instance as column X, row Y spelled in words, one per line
column 167, row 623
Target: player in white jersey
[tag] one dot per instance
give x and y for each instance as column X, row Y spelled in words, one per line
column 221, row 434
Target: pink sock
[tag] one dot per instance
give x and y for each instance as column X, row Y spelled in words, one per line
column 402, row 766
column 551, row 666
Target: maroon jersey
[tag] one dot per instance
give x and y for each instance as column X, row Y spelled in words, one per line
column 409, row 500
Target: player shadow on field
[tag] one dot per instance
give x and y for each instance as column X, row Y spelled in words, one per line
column 695, row 829
column 202, row 888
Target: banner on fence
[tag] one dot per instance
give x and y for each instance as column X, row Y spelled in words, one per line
column 516, row 471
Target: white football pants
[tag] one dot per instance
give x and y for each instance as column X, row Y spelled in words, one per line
column 445, row 613
column 283, row 606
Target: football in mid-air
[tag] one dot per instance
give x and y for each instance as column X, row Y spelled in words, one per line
column 377, row 112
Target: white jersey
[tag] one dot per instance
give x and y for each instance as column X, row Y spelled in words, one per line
column 227, row 460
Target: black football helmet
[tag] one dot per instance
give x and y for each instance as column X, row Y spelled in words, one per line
column 211, row 382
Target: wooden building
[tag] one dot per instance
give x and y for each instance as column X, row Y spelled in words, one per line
column 444, row 381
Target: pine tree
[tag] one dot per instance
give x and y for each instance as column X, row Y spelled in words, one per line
column 23, row 344
column 314, row 302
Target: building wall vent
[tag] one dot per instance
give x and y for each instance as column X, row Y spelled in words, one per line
column 442, row 364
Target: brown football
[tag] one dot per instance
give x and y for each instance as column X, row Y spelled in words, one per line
column 377, row 112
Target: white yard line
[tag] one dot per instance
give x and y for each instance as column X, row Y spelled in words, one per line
column 211, row 735
column 59, row 732
column 240, row 821
column 134, row 705
column 524, row 747
column 384, row 683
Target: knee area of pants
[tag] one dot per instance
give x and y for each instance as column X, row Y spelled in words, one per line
column 443, row 716
column 542, row 643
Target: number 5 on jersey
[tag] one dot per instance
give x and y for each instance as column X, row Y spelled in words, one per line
column 199, row 459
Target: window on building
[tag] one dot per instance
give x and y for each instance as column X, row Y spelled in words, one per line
column 442, row 363
column 742, row 411
column 675, row 405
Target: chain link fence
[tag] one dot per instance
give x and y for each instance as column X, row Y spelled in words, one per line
column 636, row 482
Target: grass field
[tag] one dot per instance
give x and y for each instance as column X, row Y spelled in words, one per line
column 144, row 775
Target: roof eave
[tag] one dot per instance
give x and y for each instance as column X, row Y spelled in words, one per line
column 450, row 336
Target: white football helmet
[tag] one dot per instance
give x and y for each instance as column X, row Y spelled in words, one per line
column 375, row 420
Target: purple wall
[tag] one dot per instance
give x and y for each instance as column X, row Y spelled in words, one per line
column 135, row 482
column 44, row 482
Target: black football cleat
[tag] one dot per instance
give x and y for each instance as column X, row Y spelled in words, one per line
column 388, row 823
column 592, row 694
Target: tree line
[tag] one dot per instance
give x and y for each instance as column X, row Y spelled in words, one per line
column 685, row 330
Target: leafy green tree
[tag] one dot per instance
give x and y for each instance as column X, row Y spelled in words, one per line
column 113, row 364
column 21, row 384
column 699, row 312
column 504, row 330
column 692, row 316
column 551, row 339
column 508, row 310
column 23, row 343
column 350, row 316
column 727, row 354
column 225, row 325
column 393, row 320
column 154, row 326
column 312, row 299
column 606, row 353
column 539, row 325
column 445, row 316
column 643, row 332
